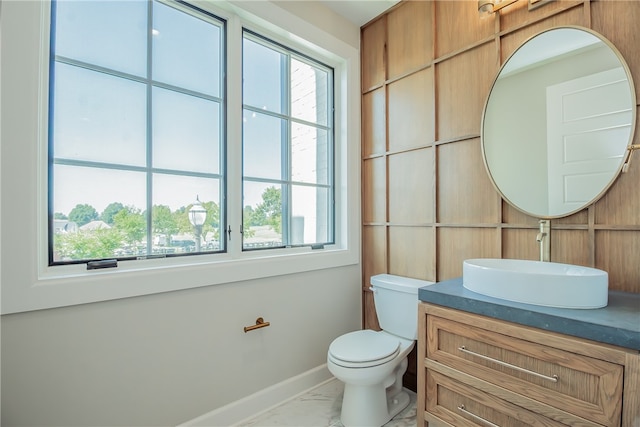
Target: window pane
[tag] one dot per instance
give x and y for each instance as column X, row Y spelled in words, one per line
column 111, row 34
column 310, row 215
column 103, row 117
column 186, row 132
column 309, row 93
column 173, row 231
column 98, row 117
column 309, row 154
column 262, row 77
column 186, row 50
column 86, row 203
column 289, row 147
column 262, row 145
column 262, row 218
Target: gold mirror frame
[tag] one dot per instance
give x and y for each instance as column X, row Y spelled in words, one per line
column 517, row 180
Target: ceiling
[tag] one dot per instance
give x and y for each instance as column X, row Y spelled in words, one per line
column 359, row 11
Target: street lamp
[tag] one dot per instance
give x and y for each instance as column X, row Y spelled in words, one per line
column 197, row 216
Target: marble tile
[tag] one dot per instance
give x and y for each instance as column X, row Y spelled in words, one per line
column 320, row 407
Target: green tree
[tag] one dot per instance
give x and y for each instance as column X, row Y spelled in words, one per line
column 181, row 216
column 111, row 211
column 95, row 244
column 247, row 222
column 132, row 224
column 164, row 221
column 269, row 212
column 83, row 214
column 59, row 215
column 212, row 222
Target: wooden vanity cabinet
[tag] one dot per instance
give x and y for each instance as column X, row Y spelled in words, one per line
column 478, row 371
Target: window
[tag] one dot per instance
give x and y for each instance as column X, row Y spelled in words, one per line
column 287, row 147
column 60, row 147
column 137, row 131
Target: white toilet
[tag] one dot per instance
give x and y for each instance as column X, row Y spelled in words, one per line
column 371, row 363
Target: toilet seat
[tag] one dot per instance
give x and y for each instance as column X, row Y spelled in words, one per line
column 362, row 349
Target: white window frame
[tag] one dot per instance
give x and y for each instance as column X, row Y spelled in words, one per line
column 28, row 283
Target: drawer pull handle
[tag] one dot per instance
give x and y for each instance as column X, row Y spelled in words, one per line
column 476, row 417
column 553, row 378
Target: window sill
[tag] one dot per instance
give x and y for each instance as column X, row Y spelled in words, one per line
column 71, row 285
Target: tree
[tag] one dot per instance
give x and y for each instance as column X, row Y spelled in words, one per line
column 132, row 224
column 95, row 244
column 163, row 221
column 269, row 212
column 247, row 222
column 181, row 216
column 59, row 215
column 111, row 211
column 212, row 222
column 83, row 214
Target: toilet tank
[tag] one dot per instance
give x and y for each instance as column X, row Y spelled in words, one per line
column 396, row 302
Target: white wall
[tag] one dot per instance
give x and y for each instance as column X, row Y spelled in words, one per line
column 167, row 358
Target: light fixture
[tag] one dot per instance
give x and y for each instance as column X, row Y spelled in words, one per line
column 487, row 7
column 197, row 216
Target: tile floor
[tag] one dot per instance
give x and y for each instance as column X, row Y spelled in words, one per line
column 320, row 407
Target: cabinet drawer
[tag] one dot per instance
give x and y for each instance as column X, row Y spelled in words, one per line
column 461, row 405
column 586, row 387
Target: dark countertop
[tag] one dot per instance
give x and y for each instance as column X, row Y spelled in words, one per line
column 618, row 323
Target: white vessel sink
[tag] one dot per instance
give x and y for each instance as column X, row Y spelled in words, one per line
column 546, row 284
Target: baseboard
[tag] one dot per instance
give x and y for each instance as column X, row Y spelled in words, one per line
column 262, row 400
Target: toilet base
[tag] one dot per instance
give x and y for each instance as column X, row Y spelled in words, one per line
column 364, row 406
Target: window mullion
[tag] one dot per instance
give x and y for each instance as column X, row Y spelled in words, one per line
column 234, row 201
column 286, row 151
column 149, row 125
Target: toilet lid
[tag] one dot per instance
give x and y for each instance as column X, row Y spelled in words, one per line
column 364, row 347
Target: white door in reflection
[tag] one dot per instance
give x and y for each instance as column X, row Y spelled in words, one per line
column 588, row 124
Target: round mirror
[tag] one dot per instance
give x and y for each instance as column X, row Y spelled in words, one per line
column 558, row 121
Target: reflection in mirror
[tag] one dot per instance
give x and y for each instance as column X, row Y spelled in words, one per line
column 558, row 122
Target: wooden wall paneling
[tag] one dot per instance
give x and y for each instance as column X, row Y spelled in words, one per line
column 511, row 215
column 455, row 244
column 462, row 85
column 520, row 243
column 618, row 21
column 374, row 190
column 571, row 247
column 374, row 245
column 458, row 25
column 465, row 194
column 411, row 187
column 369, row 311
column 409, row 44
column 411, row 111
column 580, row 217
column 467, row 217
column 373, row 43
column 618, row 253
column 374, row 133
column 410, row 252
